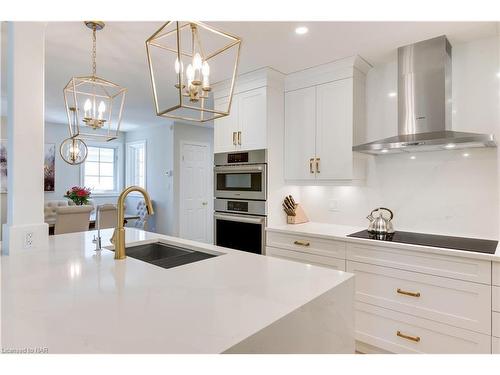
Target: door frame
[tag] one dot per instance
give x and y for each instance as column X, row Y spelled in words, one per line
column 182, row 143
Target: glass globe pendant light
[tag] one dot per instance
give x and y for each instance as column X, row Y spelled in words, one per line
column 192, row 50
column 98, row 102
column 73, row 150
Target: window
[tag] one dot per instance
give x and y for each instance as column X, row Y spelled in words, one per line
column 100, row 170
column 136, row 164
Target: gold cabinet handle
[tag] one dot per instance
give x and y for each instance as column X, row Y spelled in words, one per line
column 301, row 243
column 311, row 165
column 234, row 138
column 407, row 337
column 239, row 138
column 406, row 293
column 317, row 165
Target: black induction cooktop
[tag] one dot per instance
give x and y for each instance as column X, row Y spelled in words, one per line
column 433, row 240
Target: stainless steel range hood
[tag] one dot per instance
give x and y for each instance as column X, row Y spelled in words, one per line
column 424, row 104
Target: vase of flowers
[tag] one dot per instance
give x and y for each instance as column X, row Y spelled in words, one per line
column 79, row 195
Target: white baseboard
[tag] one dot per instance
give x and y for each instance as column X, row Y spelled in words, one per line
column 14, row 237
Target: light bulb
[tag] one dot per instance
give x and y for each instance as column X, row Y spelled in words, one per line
column 101, row 109
column 190, row 74
column 179, row 66
column 205, row 70
column 197, row 61
column 87, row 107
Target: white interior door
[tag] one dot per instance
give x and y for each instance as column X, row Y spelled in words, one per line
column 195, row 192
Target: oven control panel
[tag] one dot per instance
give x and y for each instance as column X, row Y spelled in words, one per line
column 241, row 157
column 240, row 206
column 236, row 206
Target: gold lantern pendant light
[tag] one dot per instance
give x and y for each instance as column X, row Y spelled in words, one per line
column 98, row 102
column 193, row 50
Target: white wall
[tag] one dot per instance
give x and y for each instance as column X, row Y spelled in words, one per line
column 439, row 192
column 159, row 182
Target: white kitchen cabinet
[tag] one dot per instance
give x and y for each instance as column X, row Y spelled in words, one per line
column 306, row 249
column 457, row 303
column 252, row 110
column 324, row 108
column 225, row 128
column 252, row 119
column 334, row 119
column 467, row 269
column 402, row 333
column 496, row 273
column 407, row 300
column 300, row 133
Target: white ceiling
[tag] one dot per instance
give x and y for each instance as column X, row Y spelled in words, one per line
column 121, row 53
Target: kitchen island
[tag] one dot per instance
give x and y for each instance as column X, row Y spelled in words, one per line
column 69, row 298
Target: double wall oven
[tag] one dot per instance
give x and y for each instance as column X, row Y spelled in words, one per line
column 240, row 191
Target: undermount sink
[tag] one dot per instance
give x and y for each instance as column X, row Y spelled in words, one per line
column 165, row 255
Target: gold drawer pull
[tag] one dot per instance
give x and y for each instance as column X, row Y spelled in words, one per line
column 411, row 294
column 301, row 243
column 411, row 338
column 311, row 165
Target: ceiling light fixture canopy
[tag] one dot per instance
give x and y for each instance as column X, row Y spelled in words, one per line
column 97, row 102
column 182, row 55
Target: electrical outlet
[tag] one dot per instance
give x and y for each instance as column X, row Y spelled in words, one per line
column 333, row 205
column 28, row 240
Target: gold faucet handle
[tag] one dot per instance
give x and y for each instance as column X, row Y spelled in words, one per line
column 113, row 237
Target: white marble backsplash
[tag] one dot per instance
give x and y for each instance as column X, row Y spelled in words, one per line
column 445, row 192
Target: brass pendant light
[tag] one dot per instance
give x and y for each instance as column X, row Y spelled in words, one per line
column 98, row 103
column 190, row 51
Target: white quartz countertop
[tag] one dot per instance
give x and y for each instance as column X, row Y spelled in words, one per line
column 70, row 299
column 340, row 232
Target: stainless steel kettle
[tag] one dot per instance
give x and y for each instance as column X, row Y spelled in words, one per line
column 379, row 224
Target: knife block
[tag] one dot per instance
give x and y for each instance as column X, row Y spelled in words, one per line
column 299, row 218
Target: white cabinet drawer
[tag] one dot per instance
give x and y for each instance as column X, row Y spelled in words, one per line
column 495, row 300
column 459, row 303
column 307, row 244
column 496, row 273
column 495, row 345
column 468, row 269
column 495, row 324
column 318, row 260
column 401, row 333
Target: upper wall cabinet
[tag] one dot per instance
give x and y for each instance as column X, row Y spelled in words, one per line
column 324, row 107
column 247, row 125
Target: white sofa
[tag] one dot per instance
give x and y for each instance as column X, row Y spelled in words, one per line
column 50, row 207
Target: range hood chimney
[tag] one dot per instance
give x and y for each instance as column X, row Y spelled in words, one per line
column 424, row 104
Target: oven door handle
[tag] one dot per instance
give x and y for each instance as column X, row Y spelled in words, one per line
column 239, row 168
column 240, row 218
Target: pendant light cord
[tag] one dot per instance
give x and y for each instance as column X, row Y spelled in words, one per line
column 94, row 65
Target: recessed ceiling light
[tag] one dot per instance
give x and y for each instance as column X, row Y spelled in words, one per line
column 384, row 150
column 413, row 157
column 498, row 74
column 392, row 94
column 301, row 30
column 450, row 145
column 466, row 154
